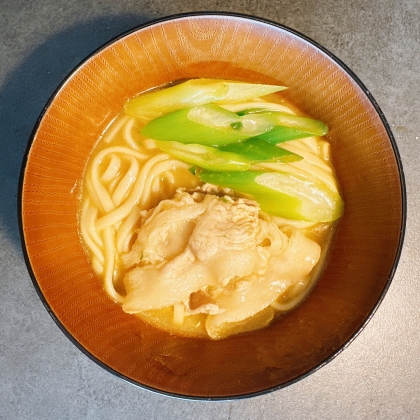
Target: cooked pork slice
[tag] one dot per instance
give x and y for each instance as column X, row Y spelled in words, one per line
column 225, row 225
column 155, row 286
column 251, row 295
column 165, row 231
column 218, row 248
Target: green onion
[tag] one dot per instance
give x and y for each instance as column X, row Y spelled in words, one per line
column 282, row 134
column 241, row 91
column 282, row 194
column 205, row 157
column 315, row 127
column 306, row 125
column 194, row 92
column 177, row 126
column 257, row 150
column 219, row 118
column 212, row 125
column 252, row 111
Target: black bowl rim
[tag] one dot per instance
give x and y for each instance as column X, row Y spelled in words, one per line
column 390, row 136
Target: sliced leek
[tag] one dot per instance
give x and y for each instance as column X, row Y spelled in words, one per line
column 194, row 92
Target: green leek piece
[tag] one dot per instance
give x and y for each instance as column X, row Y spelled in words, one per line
column 282, row 194
column 282, row 134
column 194, row 92
column 252, row 111
column 176, row 126
column 317, row 128
column 257, row 150
column 219, row 118
column 205, row 157
column 242, row 91
column 311, row 126
column 213, row 125
column 210, row 125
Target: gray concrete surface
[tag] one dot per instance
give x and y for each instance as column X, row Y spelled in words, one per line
column 44, row 376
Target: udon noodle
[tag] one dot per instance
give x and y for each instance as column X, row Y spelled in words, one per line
column 130, row 184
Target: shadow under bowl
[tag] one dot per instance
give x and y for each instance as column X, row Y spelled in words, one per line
column 367, row 245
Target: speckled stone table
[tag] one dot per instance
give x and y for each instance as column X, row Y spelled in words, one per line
column 44, row 376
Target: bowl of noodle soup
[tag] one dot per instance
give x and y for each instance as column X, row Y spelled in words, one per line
column 110, row 209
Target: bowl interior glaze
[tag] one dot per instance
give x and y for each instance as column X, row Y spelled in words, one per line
column 367, row 245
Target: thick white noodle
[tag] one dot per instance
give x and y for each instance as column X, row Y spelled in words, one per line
column 299, row 290
column 325, row 177
column 88, row 231
column 93, row 195
column 156, row 185
column 137, row 195
column 112, row 170
column 97, row 266
column 303, row 169
column 325, row 150
column 170, row 178
column 109, row 267
column 295, row 146
column 299, row 224
column 114, row 183
column 126, row 231
column 282, row 167
column 116, row 126
column 127, row 182
column 92, row 215
column 283, row 307
column 160, row 168
column 312, row 144
column 101, row 191
column 128, row 136
column 118, row 149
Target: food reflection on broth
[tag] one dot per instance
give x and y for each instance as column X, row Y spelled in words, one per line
column 208, row 207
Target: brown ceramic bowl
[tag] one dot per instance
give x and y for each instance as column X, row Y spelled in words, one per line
column 364, row 256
